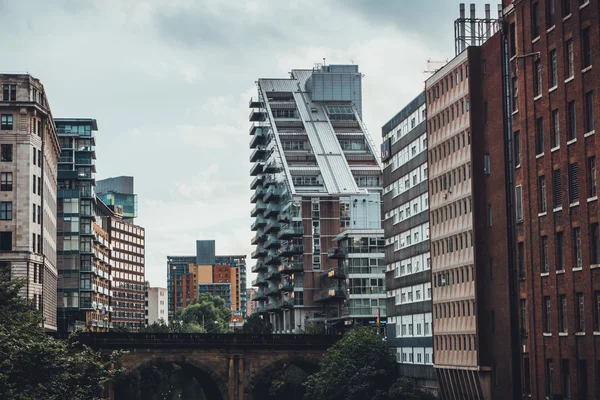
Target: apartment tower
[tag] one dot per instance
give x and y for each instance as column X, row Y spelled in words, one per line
column 119, row 191
column 29, row 152
column 553, row 65
column 407, row 258
column 316, row 175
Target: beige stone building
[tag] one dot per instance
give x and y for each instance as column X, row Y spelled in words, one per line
column 29, row 151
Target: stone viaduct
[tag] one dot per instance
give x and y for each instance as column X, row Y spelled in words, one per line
column 228, row 365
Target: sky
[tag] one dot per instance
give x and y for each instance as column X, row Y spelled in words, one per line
column 169, row 83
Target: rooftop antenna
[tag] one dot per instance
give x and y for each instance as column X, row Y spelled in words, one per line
column 473, row 31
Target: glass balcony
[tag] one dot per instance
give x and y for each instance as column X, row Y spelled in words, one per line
column 289, row 232
column 292, row 266
column 284, row 217
column 259, row 295
column 257, row 115
column 255, row 103
column 272, row 290
column 258, row 222
column 290, row 250
column 259, row 252
column 286, row 302
column 272, row 259
column 273, row 193
column 256, row 169
column 259, row 267
column 258, row 208
column 255, row 182
column 330, row 293
column 260, row 308
column 363, row 311
column 272, row 305
column 272, row 242
column 271, row 167
column 272, row 226
column 257, row 127
column 272, row 274
column 259, row 154
column 334, row 273
column 272, row 209
column 338, row 253
column 286, row 285
column 259, row 281
column 259, row 237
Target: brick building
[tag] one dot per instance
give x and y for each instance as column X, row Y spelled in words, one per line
column 554, row 55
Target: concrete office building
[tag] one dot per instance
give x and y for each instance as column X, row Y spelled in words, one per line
column 406, row 225
column 29, row 152
column 119, row 192
column 553, row 67
column 316, row 174
column 156, row 305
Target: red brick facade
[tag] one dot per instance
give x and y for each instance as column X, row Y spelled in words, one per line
column 559, row 301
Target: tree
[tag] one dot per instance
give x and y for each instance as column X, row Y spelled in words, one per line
column 34, row 365
column 207, row 312
column 120, row 328
column 407, row 389
column 156, row 327
column 255, row 324
column 314, row 328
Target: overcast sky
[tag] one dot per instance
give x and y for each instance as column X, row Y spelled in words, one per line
column 169, row 83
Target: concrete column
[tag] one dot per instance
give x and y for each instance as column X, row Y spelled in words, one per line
column 241, row 379
column 231, row 388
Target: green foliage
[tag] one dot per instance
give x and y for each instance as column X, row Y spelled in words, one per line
column 360, row 366
column 255, row 324
column 314, row 328
column 156, row 327
column 406, row 389
column 120, row 328
column 207, row 312
column 33, row 365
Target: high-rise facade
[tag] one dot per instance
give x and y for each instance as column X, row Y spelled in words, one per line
column 406, row 225
column 83, row 250
column 29, row 152
column 553, row 61
column 119, row 191
column 156, row 305
column 222, row 275
column 316, row 174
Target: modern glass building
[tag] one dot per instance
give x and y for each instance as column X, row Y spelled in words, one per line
column 119, row 192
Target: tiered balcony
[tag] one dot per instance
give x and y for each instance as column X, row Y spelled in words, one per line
column 292, row 266
column 259, row 281
column 257, row 169
column 259, row 295
column 259, row 267
column 272, row 209
column 290, row 250
column 286, row 285
column 258, row 238
column 258, row 222
column 272, row 226
column 259, row 139
column 337, row 253
column 273, row 193
column 331, row 293
column 272, row 290
column 284, row 217
column 272, row 259
column 335, row 273
column 272, row 305
column 289, row 232
column 286, row 301
column 271, row 167
column 255, row 103
column 259, row 252
column 257, row 115
column 272, row 274
column 258, row 154
column 272, row 242
column 260, row 207
column 256, row 181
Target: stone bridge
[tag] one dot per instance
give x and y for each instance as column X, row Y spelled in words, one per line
column 227, row 365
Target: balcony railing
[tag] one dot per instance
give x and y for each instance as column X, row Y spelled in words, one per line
column 256, row 181
column 290, row 232
column 259, row 267
column 259, row 295
column 272, row 226
column 335, row 273
column 259, row 281
column 330, row 293
column 259, row 237
column 272, row 209
column 273, row 193
column 272, row 242
column 364, row 311
column 272, row 259
column 256, row 169
column 258, row 222
column 291, row 250
column 258, row 208
column 338, row 253
column 260, row 251
column 292, row 266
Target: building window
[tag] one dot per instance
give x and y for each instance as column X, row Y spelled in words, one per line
column 571, row 121
column 577, row 254
column 583, row 386
column 570, row 66
column 597, row 316
column 557, row 188
column 6, row 152
column 6, row 122
column 592, row 189
column 586, row 48
column 595, row 243
column 542, row 194
column 566, row 7
column 6, row 181
column 560, row 251
column 486, row 165
column 562, row 304
column 526, row 376
column 551, row 11
column 555, row 129
column 553, row 69
column 537, row 73
column 5, row 241
column 535, row 20
column 521, row 260
column 515, row 93
column 544, row 251
column 6, row 210
column 519, row 203
column 489, row 215
column 580, row 316
column 547, row 315
column 549, row 372
column 573, row 182
column 523, row 309
column 517, row 146
column 9, row 92
column 566, row 380
column 539, row 135
column 589, row 111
